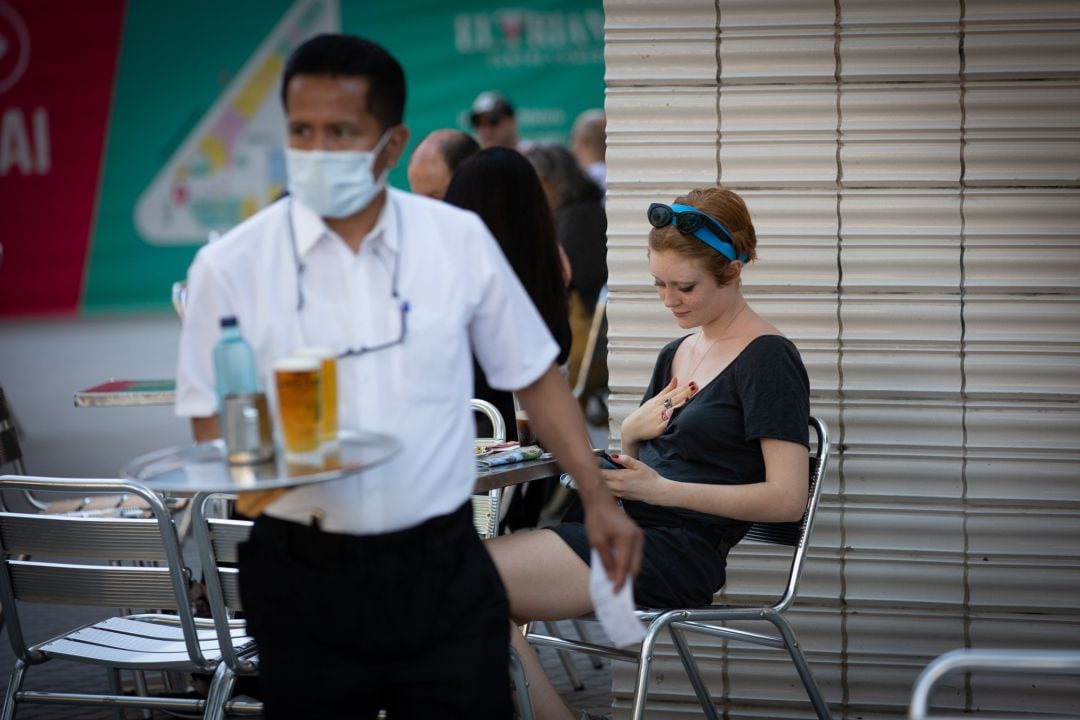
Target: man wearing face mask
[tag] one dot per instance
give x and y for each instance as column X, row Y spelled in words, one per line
column 374, row 591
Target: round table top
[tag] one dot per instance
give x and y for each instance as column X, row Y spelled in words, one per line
column 203, row 467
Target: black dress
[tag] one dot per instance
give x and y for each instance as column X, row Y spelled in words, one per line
column 715, row 439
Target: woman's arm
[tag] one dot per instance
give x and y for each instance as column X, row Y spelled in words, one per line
column 781, row 497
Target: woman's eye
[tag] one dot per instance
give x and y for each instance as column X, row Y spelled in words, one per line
column 686, row 289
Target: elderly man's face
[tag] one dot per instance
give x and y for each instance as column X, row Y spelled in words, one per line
column 429, row 174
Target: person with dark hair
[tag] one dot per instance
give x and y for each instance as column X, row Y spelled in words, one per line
column 435, row 159
column 500, row 186
column 373, row 592
column 718, row 442
column 581, row 226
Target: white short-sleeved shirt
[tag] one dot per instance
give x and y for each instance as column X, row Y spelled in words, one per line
column 462, row 297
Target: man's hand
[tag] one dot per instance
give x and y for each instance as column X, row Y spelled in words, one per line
column 617, row 539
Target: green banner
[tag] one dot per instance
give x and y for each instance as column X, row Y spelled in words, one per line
column 194, row 142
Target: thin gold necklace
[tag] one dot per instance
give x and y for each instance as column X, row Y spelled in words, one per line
column 703, row 356
column 713, row 343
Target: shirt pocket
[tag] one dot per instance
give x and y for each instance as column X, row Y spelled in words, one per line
column 437, row 358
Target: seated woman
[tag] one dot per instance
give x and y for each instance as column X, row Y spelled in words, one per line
column 719, row 441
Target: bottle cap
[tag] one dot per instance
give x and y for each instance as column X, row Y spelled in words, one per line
column 228, row 321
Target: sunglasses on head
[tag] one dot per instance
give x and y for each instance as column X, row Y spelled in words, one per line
column 691, row 221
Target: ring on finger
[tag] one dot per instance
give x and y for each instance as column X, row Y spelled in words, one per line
column 667, row 403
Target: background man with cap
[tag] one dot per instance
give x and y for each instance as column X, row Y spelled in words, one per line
column 492, row 117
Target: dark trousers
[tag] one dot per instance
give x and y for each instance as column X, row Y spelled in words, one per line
column 413, row 622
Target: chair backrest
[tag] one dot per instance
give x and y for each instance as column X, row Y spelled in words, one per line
column 797, row 534
column 218, row 540
column 79, row 560
column 486, row 507
column 589, row 355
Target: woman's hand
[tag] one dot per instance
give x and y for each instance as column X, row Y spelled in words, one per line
column 652, row 417
column 637, row 482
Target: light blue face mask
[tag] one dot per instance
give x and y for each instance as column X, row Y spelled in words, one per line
column 337, row 183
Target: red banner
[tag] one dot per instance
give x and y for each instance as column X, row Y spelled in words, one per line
column 57, row 71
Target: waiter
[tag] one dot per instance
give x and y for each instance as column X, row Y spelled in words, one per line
column 373, row 591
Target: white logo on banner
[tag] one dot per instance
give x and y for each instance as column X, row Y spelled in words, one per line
column 232, row 163
column 14, row 46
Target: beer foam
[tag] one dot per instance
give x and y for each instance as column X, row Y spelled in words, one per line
column 315, row 351
column 296, row 364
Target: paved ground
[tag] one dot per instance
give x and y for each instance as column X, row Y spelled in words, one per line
column 57, row 675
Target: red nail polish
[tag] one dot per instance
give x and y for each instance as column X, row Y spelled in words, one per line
column 693, row 386
column 614, row 455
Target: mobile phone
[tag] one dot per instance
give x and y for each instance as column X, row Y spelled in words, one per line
column 607, row 463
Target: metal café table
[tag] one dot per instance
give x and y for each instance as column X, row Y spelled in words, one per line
column 127, row 393
column 203, row 468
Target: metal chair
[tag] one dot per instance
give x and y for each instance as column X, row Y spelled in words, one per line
column 1027, row 662
column 707, row 621
column 486, row 507
column 79, row 561
column 217, row 540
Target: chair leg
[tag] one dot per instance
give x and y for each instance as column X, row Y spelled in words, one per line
column 565, row 658
column 692, row 672
column 579, row 626
column 116, row 687
column 791, row 643
column 220, row 689
column 14, row 685
column 645, row 658
column 521, row 687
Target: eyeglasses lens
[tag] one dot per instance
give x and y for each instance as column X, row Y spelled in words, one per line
column 659, row 216
column 688, row 222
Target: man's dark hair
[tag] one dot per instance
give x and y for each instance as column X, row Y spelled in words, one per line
column 456, row 147
column 351, row 56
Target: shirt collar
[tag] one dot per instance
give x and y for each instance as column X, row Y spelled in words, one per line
column 309, row 228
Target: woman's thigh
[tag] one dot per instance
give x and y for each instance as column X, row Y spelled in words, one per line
column 544, row 578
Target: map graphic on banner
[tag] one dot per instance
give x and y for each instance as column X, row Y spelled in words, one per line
column 232, row 163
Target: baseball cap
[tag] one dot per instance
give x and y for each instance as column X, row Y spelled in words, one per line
column 490, row 103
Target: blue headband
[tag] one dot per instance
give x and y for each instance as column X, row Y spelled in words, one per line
column 725, row 247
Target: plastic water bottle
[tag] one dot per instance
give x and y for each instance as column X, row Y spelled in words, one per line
column 234, row 363
column 245, row 419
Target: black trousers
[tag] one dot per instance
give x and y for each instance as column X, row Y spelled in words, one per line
column 414, row 622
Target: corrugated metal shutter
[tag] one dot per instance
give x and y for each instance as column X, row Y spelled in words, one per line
column 913, row 168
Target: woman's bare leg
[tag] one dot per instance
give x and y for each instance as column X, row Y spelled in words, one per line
column 545, row 580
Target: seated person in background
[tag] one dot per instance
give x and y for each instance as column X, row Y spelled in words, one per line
column 501, row 187
column 581, row 226
column 719, row 441
column 588, row 142
column 436, row 158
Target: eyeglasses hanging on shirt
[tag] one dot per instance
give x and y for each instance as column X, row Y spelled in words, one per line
column 401, row 304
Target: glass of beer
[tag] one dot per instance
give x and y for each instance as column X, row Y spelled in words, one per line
column 297, row 383
column 328, row 406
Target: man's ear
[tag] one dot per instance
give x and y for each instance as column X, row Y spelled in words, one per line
column 395, row 145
